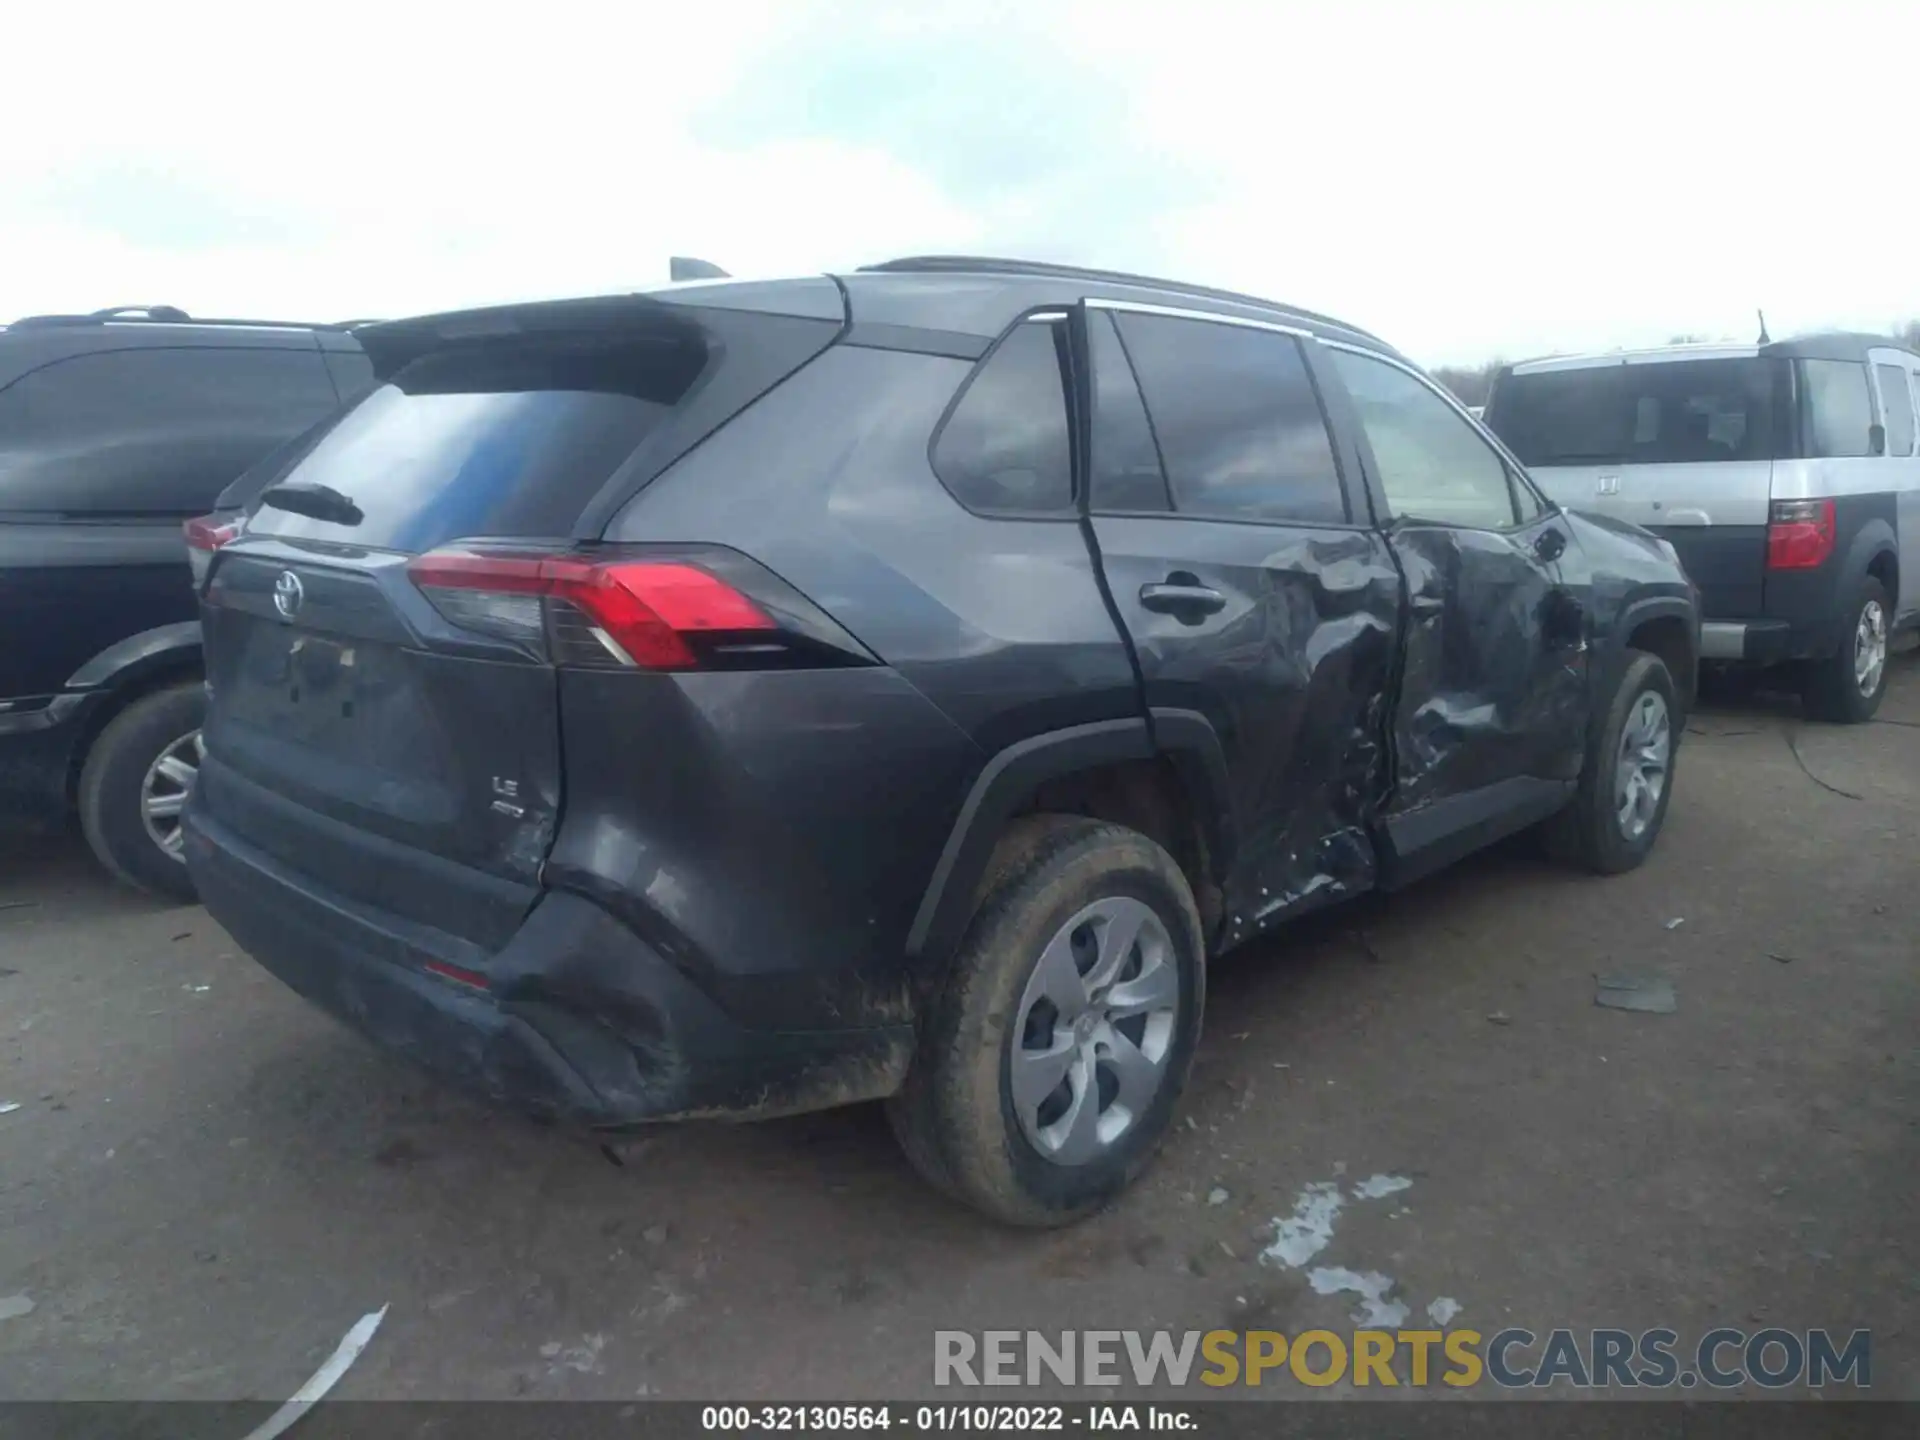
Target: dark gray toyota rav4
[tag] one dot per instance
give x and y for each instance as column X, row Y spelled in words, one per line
column 753, row 697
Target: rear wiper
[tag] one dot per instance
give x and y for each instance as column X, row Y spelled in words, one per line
column 316, row 502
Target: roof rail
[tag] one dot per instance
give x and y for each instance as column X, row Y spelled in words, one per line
column 167, row 315
column 171, row 314
column 988, row 265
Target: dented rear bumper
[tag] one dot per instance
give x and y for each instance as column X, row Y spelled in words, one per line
column 575, row 1019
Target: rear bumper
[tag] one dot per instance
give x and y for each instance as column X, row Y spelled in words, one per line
column 579, row 1020
column 1752, row 641
column 1765, row 642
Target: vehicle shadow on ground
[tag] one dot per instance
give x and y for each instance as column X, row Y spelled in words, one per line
column 1771, row 694
column 57, row 872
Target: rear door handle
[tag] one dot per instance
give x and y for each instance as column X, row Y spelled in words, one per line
column 1184, row 601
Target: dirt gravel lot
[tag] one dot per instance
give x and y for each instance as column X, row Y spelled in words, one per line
column 205, row 1182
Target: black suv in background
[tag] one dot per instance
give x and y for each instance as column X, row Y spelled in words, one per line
column 115, row 428
column 761, row 696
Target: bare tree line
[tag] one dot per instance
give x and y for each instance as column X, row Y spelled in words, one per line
column 1470, row 382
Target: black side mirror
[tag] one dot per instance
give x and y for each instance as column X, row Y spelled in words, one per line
column 1550, row 545
column 1876, row 439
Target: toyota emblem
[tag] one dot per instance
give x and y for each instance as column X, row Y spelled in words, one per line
column 288, row 594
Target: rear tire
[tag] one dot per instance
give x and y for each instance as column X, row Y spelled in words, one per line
column 143, row 761
column 1084, row 959
column 1637, row 731
column 1847, row 687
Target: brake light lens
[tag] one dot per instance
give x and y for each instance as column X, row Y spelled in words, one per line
column 1800, row 534
column 648, row 614
column 206, row 534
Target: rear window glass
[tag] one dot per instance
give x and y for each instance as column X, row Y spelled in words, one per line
column 508, row 442
column 1836, row 413
column 151, row 432
column 1007, row 446
column 1671, row 412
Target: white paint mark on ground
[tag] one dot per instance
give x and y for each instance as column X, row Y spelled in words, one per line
column 1375, row 1309
column 324, row 1379
column 1305, row 1233
column 583, row 1358
column 1375, row 1187
column 9, row 1107
column 12, row 1307
column 1443, row 1310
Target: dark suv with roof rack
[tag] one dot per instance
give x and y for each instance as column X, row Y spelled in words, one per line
column 115, row 428
column 754, row 697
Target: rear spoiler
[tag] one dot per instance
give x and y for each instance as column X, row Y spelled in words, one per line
column 392, row 345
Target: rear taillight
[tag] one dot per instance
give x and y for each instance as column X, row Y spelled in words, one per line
column 1800, row 534
column 666, row 613
column 206, row 534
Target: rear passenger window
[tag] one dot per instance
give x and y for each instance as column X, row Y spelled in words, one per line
column 1898, row 404
column 1238, row 424
column 152, row 431
column 1835, row 411
column 1126, row 462
column 1007, row 445
column 1433, row 464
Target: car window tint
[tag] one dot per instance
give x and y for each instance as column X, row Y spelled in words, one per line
column 1433, row 465
column 1670, row 412
column 151, row 431
column 1898, row 403
column 505, row 440
column 1126, row 462
column 1237, row 420
column 1007, row 444
column 1835, row 410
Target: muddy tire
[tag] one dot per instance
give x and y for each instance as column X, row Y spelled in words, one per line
column 1846, row 687
column 129, row 793
column 1627, row 780
column 1051, row 1057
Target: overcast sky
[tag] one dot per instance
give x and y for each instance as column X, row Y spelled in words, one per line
column 1469, row 180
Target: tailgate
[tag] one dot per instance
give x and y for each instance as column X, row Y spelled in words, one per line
column 423, row 782
column 394, row 739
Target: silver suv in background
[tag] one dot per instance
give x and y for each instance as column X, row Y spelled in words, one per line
column 1784, row 474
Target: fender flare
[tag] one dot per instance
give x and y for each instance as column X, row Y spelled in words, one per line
column 138, row 655
column 1003, row 782
column 1870, row 542
column 1188, row 739
column 1185, row 738
column 1658, row 607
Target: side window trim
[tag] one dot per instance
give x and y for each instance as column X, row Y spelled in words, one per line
column 1175, row 312
column 1517, row 477
column 1059, row 318
column 1357, row 515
